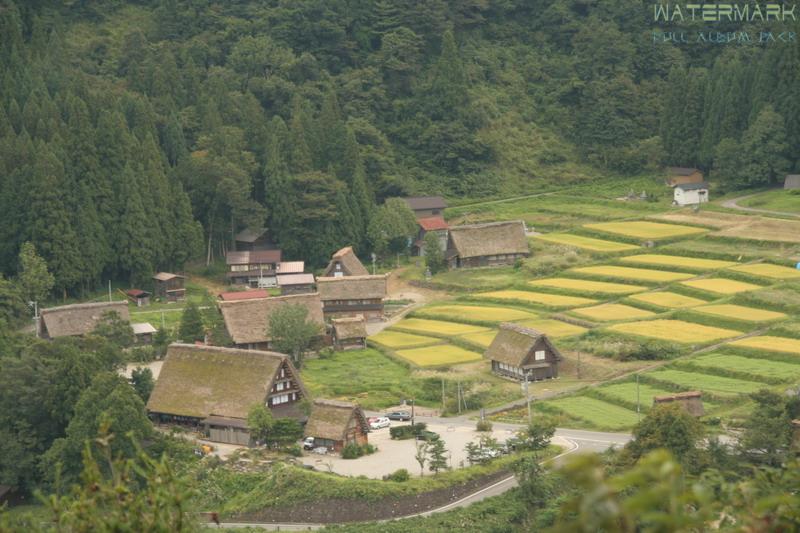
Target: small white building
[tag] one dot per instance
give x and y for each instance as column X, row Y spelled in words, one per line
column 690, row 193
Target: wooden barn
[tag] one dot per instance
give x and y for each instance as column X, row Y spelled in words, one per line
column 682, row 175
column 690, row 193
column 352, row 295
column 349, row 333
column 212, row 389
column 494, row 243
column 692, row 401
column 426, row 206
column 252, row 239
column 77, row 319
column 792, row 182
column 138, row 297
column 427, row 225
column 169, row 287
column 143, row 332
column 296, row 283
column 247, row 321
column 517, row 352
column 344, row 263
column 256, row 268
column 336, row 424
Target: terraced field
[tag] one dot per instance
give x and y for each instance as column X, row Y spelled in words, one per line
column 398, row 339
column 770, row 343
column 603, row 414
column 719, row 385
column 474, row 312
column 550, row 300
column 675, row 331
column 609, row 312
column 437, row 327
column 720, row 285
column 694, row 263
column 635, row 274
column 740, row 312
column 582, row 285
column 645, row 230
column 671, row 300
column 481, row 338
column 554, row 328
column 439, row 355
column 751, row 365
column 587, row 243
column 627, row 392
column 767, row 270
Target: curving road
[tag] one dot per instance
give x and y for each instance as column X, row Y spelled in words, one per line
column 734, row 204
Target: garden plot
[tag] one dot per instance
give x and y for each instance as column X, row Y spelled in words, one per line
column 635, row 274
column 603, row 414
column 740, row 312
column 718, row 385
column 481, row 338
column 721, row 285
column 693, row 263
column 609, row 312
column 740, row 226
column 770, row 343
column 757, row 367
column 587, row 243
column 767, row 270
column 627, row 392
column 439, row 355
column 398, row 339
column 553, row 328
column 474, row 312
column 642, row 229
column 668, row 299
column 582, row 285
column 550, row 300
column 436, row 327
column 675, row 331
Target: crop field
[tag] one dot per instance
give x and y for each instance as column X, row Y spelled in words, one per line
column 636, row 274
column 740, row 226
column 587, row 243
column 720, row 285
column 481, row 338
column 770, row 343
column 603, row 414
column 642, row 229
column 740, row 312
column 398, row 339
column 552, row 300
column 627, row 392
column 768, row 270
column 474, row 312
column 608, row 312
column 443, row 354
column 719, row 385
column 587, row 286
column 437, row 327
column 668, row 299
column 675, row 331
column 694, row 263
column 553, row 328
column 756, row 367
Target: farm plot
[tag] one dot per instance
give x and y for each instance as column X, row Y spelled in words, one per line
column 642, row 229
column 481, row 338
column 436, row 327
column 398, row 339
column 757, row 367
column 609, row 312
column 627, row 392
column 598, row 412
column 636, row 274
column 694, row 263
column 740, row 312
column 474, row 312
column 551, row 300
column 719, row 385
column 675, row 331
column 668, row 299
column 770, row 343
column 554, row 328
column 439, row 355
column 767, row 270
column 582, row 285
column 720, row 285
column 587, row 243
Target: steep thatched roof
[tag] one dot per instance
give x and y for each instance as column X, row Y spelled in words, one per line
column 513, row 344
column 354, row 327
column 166, row 276
column 352, row 288
column 247, row 321
column 198, row 381
column 250, row 235
column 494, row 238
column 330, row 419
column 79, row 319
column 351, row 265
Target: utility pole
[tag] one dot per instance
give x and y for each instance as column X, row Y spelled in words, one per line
column 579, row 365
column 444, row 405
column 412, row 411
column 638, row 408
column 109, row 290
column 458, row 395
column 528, row 397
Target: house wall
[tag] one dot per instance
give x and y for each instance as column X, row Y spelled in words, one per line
column 425, row 213
column 690, row 197
column 229, row 435
column 297, row 289
column 486, row 260
column 357, row 343
column 372, row 309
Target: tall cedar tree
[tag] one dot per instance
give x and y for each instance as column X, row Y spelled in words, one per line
column 191, row 328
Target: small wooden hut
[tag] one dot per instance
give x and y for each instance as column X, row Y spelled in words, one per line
column 692, row 401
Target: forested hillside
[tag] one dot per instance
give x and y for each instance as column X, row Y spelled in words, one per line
column 135, row 135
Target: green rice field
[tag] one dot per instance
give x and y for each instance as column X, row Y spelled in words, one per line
column 474, row 312
column 602, row 414
column 751, row 365
column 582, row 285
column 718, row 385
column 436, row 327
column 398, row 339
column 439, row 355
column 587, row 243
column 627, row 392
column 694, row 263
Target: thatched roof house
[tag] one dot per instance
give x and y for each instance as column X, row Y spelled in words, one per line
column 493, row 243
column 517, row 352
column 77, row 319
column 683, row 175
column 247, row 321
column 792, row 182
column 352, row 295
column 345, row 263
column 349, row 332
column 336, row 424
column 692, row 401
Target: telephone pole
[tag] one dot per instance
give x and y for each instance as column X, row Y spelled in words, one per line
column 638, row 407
column 528, row 398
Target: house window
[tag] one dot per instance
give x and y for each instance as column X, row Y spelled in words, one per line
column 280, row 386
column 539, row 355
column 279, row 399
column 239, row 268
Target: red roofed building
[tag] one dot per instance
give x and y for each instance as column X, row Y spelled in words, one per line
column 430, row 224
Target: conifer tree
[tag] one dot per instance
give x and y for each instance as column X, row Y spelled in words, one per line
column 299, row 153
column 191, row 328
column 35, row 281
column 132, row 246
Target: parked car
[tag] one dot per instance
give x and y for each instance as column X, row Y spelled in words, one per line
column 399, row 415
column 308, row 443
column 489, row 453
column 427, row 436
column 379, row 422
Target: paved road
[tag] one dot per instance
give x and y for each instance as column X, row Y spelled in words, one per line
column 734, row 204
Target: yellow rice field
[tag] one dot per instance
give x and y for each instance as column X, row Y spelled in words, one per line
column 482, row 338
column 677, row 261
column 553, row 328
column 668, row 299
column 636, row 274
column 443, row 354
column 553, row 300
column 720, row 285
column 587, row 243
column 474, row 312
column 769, row 271
column 398, row 339
column 645, row 230
column 675, row 331
column 587, row 286
column 740, row 312
column 609, row 312
column 437, row 327
column 769, row 343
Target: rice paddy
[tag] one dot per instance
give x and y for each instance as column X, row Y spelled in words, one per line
column 770, row 343
column 636, row 274
column 587, row 286
column 757, row 367
column 436, row 327
column 675, row 331
column 481, row 338
column 587, row 243
column 645, row 230
column 627, row 392
column 551, row 300
column 398, row 339
column 768, row 270
column 719, row 385
column 553, row 328
column 443, row 354
column 720, row 285
column 474, row 312
column 740, row 312
column 609, row 312
column 694, row 263
column 602, row 414
column 668, row 299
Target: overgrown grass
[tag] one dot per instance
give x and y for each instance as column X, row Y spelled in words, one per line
column 779, row 200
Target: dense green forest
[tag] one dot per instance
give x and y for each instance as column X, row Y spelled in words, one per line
column 136, row 135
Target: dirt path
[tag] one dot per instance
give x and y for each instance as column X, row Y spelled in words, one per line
column 734, row 204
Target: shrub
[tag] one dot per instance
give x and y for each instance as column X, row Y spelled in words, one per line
column 399, row 475
column 407, row 432
column 483, row 425
column 295, row 450
column 352, row 451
